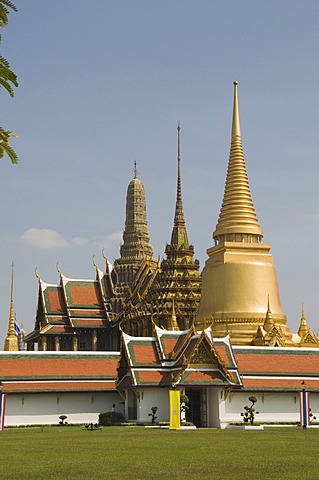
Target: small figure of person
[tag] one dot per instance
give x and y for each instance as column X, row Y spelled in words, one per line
column 113, row 407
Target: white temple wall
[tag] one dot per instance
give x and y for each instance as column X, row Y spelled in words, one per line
column 153, row 397
column 272, row 406
column 45, row 408
column 215, row 406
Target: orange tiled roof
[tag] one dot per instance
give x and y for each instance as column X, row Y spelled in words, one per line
column 59, row 386
column 200, row 377
column 83, row 293
column 89, row 322
column 149, row 362
column 152, row 377
column 168, row 344
column 54, row 299
column 279, row 383
column 277, row 361
column 57, row 366
column 144, row 354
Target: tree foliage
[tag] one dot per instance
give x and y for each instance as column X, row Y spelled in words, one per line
column 8, row 80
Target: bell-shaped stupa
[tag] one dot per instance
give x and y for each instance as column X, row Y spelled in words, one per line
column 239, row 275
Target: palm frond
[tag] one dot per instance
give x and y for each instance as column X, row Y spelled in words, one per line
column 4, row 12
column 5, row 148
column 7, row 76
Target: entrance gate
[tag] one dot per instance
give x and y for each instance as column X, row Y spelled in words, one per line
column 197, row 412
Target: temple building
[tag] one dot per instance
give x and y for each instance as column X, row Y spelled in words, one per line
column 237, row 293
column 146, row 326
column 75, row 315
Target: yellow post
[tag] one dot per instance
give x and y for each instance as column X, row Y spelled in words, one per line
column 174, row 410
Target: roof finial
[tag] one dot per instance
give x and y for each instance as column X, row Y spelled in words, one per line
column 94, row 263
column 135, row 171
column 12, row 282
column 36, row 274
column 236, row 119
column 179, row 181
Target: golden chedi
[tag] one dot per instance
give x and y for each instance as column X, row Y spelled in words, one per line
column 239, row 275
column 11, row 343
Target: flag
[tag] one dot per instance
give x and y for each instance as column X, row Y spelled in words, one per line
column 174, row 409
column 16, row 328
column 304, row 409
column 2, row 409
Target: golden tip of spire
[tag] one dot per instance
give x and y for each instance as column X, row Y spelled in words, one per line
column 235, row 82
column 179, row 126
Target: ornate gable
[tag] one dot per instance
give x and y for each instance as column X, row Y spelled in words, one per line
column 204, row 355
column 310, row 340
column 275, row 338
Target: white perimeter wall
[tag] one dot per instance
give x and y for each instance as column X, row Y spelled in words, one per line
column 272, row 406
column 45, row 408
column 85, row 407
column 153, row 397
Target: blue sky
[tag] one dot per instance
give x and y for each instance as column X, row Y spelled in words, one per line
column 103, row 83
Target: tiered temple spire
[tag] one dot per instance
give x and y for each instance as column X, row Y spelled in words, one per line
column 237, row 219
column 11, row 341
column 177, row 282
column 179, row 234
column 136, row 247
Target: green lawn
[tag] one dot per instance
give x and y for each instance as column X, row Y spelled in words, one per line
column 143, row 453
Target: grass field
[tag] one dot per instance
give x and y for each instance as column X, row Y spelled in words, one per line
column 143, row 453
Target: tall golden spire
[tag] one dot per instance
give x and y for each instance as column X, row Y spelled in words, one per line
column 237, row 216
column 239, row 273
column 178, row 279
column 11, row 341
column 179, row 236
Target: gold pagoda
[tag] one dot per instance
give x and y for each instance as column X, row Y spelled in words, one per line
column 239, row 275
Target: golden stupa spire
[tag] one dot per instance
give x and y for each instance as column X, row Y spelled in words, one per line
column 179, row 236
column 237, row 219
column 268, row 323
column 173, row 325
column 303, row 327
column 11, row 341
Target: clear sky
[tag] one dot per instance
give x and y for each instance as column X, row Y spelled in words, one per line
column 103, row 83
